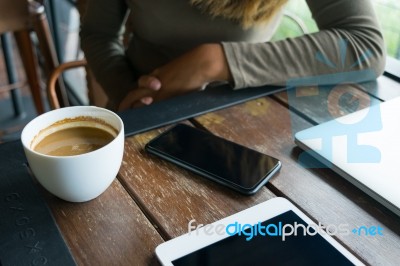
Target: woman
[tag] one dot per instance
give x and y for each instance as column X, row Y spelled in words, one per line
column 178, row 46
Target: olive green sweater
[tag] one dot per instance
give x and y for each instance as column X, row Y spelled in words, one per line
column 163, row 30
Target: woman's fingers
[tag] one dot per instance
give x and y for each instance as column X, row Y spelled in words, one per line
column 147, row 100
column 150, row 82
column 136, row 98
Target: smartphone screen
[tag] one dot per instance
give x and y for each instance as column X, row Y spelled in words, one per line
column 223, row 161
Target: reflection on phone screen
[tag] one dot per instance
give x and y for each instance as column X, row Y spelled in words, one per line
column 222, row 159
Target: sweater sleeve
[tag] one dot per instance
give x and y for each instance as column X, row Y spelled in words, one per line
column 339, row 21
column 101, row 41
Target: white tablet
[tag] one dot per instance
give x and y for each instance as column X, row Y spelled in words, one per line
column 274, row 232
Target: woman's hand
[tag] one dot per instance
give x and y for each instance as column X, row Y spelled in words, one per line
column 192, row 71
column 141, row 95
column 189, row 72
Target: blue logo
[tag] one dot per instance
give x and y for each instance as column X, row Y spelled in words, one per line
column 368, row 231
column 331, row 96
column 280, row 229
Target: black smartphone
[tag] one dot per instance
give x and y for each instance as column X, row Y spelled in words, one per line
column 228, row 163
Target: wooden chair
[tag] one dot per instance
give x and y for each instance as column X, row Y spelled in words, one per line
column 96, row 93
column 21, row 17
column 54, row 76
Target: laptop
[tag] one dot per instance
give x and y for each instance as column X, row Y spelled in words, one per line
column 363, row 147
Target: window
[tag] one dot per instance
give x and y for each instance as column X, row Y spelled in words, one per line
column 388, row 13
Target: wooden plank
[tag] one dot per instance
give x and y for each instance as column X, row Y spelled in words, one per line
column 324, row 103
column 171, row 196
column 265, row 125
column 109, row 230
column 14, row 15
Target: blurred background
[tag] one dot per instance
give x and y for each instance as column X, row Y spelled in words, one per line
column 387, row 11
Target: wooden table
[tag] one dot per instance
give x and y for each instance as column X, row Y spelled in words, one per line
column 152, row 201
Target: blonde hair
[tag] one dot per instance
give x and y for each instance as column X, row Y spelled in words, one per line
column 246, row 12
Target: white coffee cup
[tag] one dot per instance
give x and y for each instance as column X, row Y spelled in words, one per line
column 76, row 178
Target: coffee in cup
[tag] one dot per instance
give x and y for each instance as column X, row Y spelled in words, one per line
column 74, row 136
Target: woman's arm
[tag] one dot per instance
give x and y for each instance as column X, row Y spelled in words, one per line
column 338, row 20
column 191, row 71
column 101, row 40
